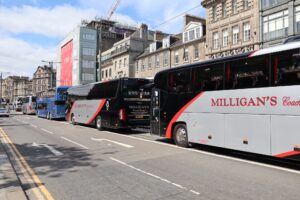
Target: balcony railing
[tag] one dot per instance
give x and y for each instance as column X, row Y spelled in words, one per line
column 121, row 50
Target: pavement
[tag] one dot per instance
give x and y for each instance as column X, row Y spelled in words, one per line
column 10, row 187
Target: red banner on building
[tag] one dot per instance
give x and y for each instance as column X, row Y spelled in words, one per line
column 66, row 64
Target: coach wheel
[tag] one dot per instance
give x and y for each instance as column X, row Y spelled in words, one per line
column 99, row 123
column 47, row 117
column 50, row 116
column 73, row 119
column 180, row 135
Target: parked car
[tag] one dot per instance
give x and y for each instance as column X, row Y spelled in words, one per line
column 4, row 112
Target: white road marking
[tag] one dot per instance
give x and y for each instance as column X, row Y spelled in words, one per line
column 154, row 176
column 33, row 125
column 64, row 123
column 84, row 147
column 118, row 143
column 209, row 154
column 47, row 131
column 193, row 191
column 51, row 149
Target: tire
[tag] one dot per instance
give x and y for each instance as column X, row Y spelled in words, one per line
column 73, row 119
column 50, row 116
column 99, row 123
column 47, row 116
column 180, row 135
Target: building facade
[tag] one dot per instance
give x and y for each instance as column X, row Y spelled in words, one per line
column 14, row 86
column 119, row 60
column 172, row 51
column 279, row 20
column 43, row 79
column 77, row 56
column 232, row 27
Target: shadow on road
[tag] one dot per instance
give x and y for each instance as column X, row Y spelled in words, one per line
column 46, row 163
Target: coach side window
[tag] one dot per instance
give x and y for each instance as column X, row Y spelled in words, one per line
column 247, row 73
column 286, row 68
column 207, row 78
column 179, row 81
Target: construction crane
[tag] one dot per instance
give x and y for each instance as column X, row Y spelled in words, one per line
column 113, row 9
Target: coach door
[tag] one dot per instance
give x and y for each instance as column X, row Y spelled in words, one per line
column 155, row 121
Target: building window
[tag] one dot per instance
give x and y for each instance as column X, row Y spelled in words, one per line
column 137, row 66
column 165, row 58
column 150, row 62
column 235, row 34
column 224, row 11
column 109, row 72
column 157, row 60
column 214, row 13
column 247, row 31
column 196, row 52
column 270, row 3
column 166, row 42
column 116, row 63
column 125, row 62
column 234, row 6
column 192, row 34
column 297, row 18
column 87, row 64
column 185, row 39
column 143, row 65
column 215, row 40
column 106, row 73
column 275, row 25
column 246, row 4
column 198, row 32
column 87, row 36
column 186, row 55
column 225, row 37
column 176, row 57
column 88, row 51
column 120, row 63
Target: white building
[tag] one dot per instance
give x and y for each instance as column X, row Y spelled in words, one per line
column 77, row 56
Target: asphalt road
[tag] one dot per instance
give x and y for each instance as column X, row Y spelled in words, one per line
column 77, row 162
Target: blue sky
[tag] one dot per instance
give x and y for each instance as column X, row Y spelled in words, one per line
column 30, row 30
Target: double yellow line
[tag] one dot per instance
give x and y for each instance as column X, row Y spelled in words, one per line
column 40, row 191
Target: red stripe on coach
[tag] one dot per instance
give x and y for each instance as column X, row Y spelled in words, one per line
column 97, row 111
column 175, row 118
column 286, row 154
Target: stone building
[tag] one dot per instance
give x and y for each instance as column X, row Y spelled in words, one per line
column 172, row 51
column 119, row 60
column 232, row 27
column 279, row 19
column 43, row 79
column 14, row 86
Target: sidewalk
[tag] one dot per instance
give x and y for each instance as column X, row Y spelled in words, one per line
column 10, row 188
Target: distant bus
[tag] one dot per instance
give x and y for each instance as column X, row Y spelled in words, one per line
column 29, row 105
column 116, row 104
column 248, row 102
column 53, row 105
column 18, row 103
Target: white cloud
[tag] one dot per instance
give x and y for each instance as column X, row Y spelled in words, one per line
column 53, row 22
column 21, row 58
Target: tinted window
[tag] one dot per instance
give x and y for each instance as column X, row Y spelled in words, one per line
column 286, row 68
column 247, row 73
column 179, row 81
column 104, row 90
column 161, row 80
column 60, row 103
column 208, row 78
